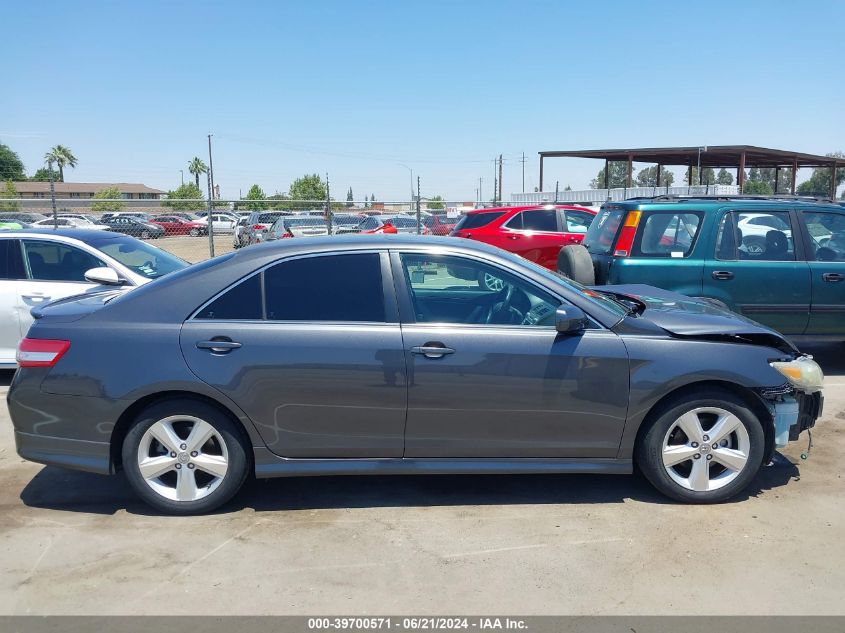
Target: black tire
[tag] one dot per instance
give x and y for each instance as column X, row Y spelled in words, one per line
column 236, row 449
column 574, row 261
column 195, row 232
column 145, row 235
column 649, row 449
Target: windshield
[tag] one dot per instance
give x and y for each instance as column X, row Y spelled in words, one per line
column 309, row 221
column 602, row 232
column 476, row 220
column 140, row 257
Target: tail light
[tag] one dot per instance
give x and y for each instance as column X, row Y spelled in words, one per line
column 36, row 352
column 257, row 227
column 286, row 234
column 626, row 236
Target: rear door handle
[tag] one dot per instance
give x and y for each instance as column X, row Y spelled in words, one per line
column 722, row 275
column 432, row 350
column 832, row 277
column 223, row 346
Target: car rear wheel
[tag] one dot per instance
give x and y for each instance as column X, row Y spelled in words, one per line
column 145, row 235
column 703, row 447
column 183, row 456
column 195, row 232
column 574, row 261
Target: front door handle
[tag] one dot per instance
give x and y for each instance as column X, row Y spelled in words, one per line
column 219, row 346
column 514, row 237
column 36, row 296
column 722, row 275
column 832, row 277
column 432, row 350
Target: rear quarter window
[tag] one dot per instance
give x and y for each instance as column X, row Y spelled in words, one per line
column 602, row 232
column 667, row 234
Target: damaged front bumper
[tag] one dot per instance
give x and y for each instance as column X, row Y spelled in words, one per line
column 792, row 411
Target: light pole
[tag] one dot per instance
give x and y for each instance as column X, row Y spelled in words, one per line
column 182, row 173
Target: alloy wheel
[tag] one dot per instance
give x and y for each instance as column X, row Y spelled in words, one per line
column 705, row 449
column 183, row 458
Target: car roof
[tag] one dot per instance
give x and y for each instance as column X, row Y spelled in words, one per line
column 526, row 207
column 83, row 235
column 717, row 202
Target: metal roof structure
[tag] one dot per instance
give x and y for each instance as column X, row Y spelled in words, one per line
column 727, row 156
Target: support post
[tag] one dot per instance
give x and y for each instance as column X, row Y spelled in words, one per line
column 740, row 174
column 777, row 177
column 210, row 221
column 630, row 174
column 607, row 177
column 794, row 174
column 541, row 172
column 833, row 181
column 659, row 169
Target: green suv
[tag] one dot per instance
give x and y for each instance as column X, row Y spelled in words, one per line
column 778, row 261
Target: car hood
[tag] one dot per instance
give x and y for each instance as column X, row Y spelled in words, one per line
column 683, row 316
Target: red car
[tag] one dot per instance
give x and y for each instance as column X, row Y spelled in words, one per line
column 534, row 232
column 440, row 224
column 174, row 225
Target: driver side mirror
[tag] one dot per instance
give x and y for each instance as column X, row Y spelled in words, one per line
column 570, row 319
column 104, row 275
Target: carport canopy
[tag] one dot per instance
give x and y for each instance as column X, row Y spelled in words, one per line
column 739, row 157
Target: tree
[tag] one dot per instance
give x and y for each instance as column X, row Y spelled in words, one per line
column 256, row 193
column 366, row 202
column 197, row 167
column 309, row 187
column 618, row 176
column 11, row 166
column 188, row 197
column 648, row 177
column 111, row 195
column 9, row 197
column 350, row 199
column 43, row 175
column 436, row 202
column 708, row 176
column 819, row 182
column 724, row 177
column 63, row 157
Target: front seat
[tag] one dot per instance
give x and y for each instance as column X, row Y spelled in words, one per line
column 777, row 246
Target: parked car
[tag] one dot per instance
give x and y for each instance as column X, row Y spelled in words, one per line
column 346, row 222
column 21, row 217
column 258, row 223
column 536, row 233
column 177, row 225
column 90, row 217
column 344, row 355
column 140, row 216
column 69, row 223
column 220, row 222
column 296, row 226
column 131, row 226
column 239, row 233
column 384, row 223
column 440, row 223
column 41, row 265
column 780, row 262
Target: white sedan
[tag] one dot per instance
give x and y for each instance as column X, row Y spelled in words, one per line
column 221, row 222
column 70, row 223
column 38, row 266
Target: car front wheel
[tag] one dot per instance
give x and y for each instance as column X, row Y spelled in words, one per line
column 184, row 457
column 704, row 447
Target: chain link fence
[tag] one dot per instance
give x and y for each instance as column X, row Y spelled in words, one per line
column 183, row 228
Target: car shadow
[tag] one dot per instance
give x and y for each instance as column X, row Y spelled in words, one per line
column 71, row 491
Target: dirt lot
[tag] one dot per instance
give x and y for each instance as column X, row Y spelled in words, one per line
column 75, row 543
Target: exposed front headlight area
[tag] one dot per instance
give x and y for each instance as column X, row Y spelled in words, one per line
column 802, row 373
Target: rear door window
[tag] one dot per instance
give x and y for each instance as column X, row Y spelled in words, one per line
column 578, row 221
column 539, row 220
column 758, row 236
column 239, row 303
column 477, row 220
column 670, row 234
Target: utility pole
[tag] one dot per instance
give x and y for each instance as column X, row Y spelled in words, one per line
column 419, row 210
column 53, row 194
column 210, row 201
column 480, row 194
column 557, row 189
column 328, row 207
column 495, row 182
column 500, row 177
column 182, row 173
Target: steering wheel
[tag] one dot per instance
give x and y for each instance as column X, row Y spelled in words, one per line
column 504, row 306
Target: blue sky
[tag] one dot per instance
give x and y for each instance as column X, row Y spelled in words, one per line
column 353, row 88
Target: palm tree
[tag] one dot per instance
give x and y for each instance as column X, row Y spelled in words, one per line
column 197, row 167
column 62, row 156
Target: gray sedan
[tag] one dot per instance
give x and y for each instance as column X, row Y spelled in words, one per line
column 384, row 354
